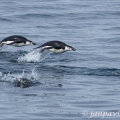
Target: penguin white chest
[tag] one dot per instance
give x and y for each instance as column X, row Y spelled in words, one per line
column 56, row 50
column 18, row 44
column 21, row 44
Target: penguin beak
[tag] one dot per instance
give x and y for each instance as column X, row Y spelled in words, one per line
column 72, row 48
column 69, row 48
column 33, row 43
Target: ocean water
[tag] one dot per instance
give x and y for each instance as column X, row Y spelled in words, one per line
column 75, row 85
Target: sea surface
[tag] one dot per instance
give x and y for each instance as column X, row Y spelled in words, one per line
column 75, row 85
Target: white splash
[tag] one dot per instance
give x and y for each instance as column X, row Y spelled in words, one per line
column 10, row 77
column 4, row 47
column 33, row 56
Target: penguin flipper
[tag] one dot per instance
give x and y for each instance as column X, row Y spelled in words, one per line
column 45, row 48
column 11, row 43
column 37, row 47
column 42, row 48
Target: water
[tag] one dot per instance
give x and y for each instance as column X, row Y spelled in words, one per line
column 74, row 85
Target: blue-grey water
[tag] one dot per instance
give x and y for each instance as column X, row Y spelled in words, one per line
column 75, row 85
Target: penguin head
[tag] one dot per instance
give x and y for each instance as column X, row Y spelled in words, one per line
column 69, row 48
column 30, row 43
column 33, row 43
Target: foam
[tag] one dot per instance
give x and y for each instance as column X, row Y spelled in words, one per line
column 33, row 56
column 10, row 77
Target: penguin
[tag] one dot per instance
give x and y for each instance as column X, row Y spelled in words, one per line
column 16, row 40
column 55, row 47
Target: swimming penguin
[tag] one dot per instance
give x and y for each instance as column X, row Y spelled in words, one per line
column 16, row 40
column 56, row 47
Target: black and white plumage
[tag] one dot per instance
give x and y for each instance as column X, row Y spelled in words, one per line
column 16, row 40
column 56, row 47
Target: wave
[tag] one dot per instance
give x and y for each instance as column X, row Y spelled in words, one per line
column 35, row 56
column 27, row 80
column 5, row 19
column 36, row 15
column 59, row 69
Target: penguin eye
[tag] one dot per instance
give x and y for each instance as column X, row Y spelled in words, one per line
column 69, row 47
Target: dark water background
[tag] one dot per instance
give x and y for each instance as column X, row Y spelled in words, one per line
column 68, row 85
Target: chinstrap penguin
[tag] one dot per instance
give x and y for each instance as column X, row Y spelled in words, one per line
column 16, row 40
column 56, row 47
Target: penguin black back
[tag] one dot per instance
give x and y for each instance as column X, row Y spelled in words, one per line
column 15, row 38
column 54, row 44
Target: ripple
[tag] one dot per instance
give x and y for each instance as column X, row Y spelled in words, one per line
column 5, row 20
column 81, row 70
